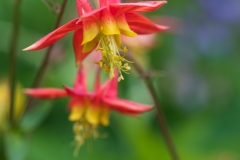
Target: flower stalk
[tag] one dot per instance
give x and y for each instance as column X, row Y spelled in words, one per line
column 160, row 115
column 12, row 57
column 45, row 62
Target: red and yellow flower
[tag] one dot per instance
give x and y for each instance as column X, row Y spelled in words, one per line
column 90, row 109
column 101, row 28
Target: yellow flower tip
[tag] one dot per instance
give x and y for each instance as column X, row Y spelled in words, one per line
column 86, row 120
column 90, row 31
column 128, row 33
column 76, row 113
column 92, row 115
column 104, row 119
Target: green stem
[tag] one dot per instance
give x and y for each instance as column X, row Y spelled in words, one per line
column 160, row 115
column 45, row 63
column 13, row 57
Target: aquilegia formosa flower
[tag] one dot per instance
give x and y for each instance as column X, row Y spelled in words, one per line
column 89, row 110
column 101, row 28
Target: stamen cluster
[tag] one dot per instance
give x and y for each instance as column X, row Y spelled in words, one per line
column 111, row 57
column 83, row 130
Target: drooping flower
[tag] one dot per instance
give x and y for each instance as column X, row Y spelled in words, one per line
column 101, row 29
column 90, row 109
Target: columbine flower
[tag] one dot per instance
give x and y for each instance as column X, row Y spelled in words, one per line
column 101, row 28
column 90, row 110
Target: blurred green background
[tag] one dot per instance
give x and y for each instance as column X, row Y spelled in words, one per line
column 199, row 90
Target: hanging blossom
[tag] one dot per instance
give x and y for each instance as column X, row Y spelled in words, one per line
column 90, row 109
column 101, row 29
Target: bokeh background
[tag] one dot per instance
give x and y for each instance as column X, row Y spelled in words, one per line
column 198, row 85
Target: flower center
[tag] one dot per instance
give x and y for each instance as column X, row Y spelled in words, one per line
column 112, row 58
column 86, row 120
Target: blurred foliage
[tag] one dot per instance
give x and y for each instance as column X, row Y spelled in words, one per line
column 199, row 91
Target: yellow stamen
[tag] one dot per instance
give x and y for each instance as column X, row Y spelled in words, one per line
column 87, row 118
column 120, row 78
column 111, row 57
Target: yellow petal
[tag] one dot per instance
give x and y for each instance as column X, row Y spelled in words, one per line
column 124, row 28
column 109, row 26
column 92, row 115
column 118, row 39
column 104, row 118
column 90, row 31
column 76, row 113
column 90, row 46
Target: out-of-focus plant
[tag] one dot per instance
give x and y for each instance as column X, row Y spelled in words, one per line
column 14, row 137
column 19, row 104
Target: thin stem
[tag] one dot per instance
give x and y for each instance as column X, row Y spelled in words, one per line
column 160, row 115
column 45, row 63
column 13, row 57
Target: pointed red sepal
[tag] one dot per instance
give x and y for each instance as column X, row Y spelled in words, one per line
column 78, row 47
column 46, row 93
column 102, row 90
column 80, row 81
column 83, row 6
column 126, row 106
column 121, row 8
column 76, row 92
column 94, row 15
column 54, row 36
column 142, row 25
